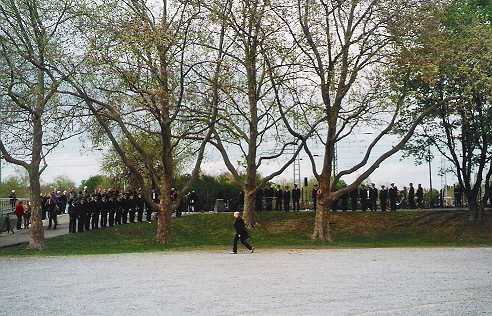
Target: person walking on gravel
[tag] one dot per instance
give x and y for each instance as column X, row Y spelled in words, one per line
column 241, row 234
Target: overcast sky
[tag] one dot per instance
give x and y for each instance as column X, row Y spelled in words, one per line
column 77, row 163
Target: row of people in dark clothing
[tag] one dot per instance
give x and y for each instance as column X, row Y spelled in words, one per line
column 280, row 199
column 363, row 198
column 105, row 209
column 367, row 197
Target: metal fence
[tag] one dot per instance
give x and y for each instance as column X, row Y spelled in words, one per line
column 5, row 206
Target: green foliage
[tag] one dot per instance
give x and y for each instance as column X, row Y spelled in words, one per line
column 448, row 64
column 95, row 182
column 114, row 167
column 17, row 183
column 209, row 188
column 60, row 183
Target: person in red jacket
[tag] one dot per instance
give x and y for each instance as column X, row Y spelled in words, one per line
column 19, row 212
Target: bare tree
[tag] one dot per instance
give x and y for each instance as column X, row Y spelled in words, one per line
column 34, row 118
column 146, row 79
column 347, row 51
column 249, row 122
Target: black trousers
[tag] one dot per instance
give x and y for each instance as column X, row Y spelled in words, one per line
column 111, row 218
column 244, row 241
column 393, row 205
column 72, row 225
column 374, row 205
column 19, row 222
column 117, row 218
column 140, row 214
column 87, row 222
column 104, row 218
column 124, row 216
column 95, row 220
column 80, row 223
column 383, row 205
column 279, row 204
column 363, row 205
column 297, row 206
column 27, row 220
column 53, row 219
column 286, row 205
column 132, row 216
column 148, row 214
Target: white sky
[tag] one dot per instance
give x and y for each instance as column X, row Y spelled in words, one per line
column 77, row 163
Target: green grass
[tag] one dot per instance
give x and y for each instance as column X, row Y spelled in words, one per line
column 275, row 230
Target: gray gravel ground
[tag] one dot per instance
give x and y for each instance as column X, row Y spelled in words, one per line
column 450, row 281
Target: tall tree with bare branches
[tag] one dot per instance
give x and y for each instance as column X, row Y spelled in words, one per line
column 347, row 52
column 149, row 78
column 249, row 126
column 34, row 117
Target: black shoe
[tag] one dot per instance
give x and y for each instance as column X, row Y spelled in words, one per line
column 233, row 253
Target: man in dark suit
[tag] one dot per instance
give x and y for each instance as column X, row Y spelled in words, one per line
column 393, row 195
column 363, row 198
column 373, row 197
column 296, row 196
column 241, row 234
column 280, row 199
column 420, row 196
column 286, row 199
column 314, row 196
column 411, row 197
column 383, row 198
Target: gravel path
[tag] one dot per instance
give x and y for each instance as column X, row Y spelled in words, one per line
column 448, row 281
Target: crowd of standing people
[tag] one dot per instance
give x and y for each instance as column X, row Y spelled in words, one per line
column 365, row 197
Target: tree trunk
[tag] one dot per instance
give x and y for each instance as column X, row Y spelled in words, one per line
column 37, row 230
column 165, row 211
column 322, row 221
column 249, row 206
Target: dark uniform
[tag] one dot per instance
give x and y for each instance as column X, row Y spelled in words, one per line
column 52, row 212
column 73, row 210
column 363, row 198
column 296, row 196
column 241, row 235
column 314, row 197
column 383, row 198
column 111, row 206
column 411, row 197
column 88, row 212
column 96, row 211
column 104, row 211
column 286, row 200
column 280, row 199
column 117, row 210
column 373, row 198
column 81, row 215
column 393, row 196
column 132, row 208
column 140, row 207
column 420, row 196
column 124, row 209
